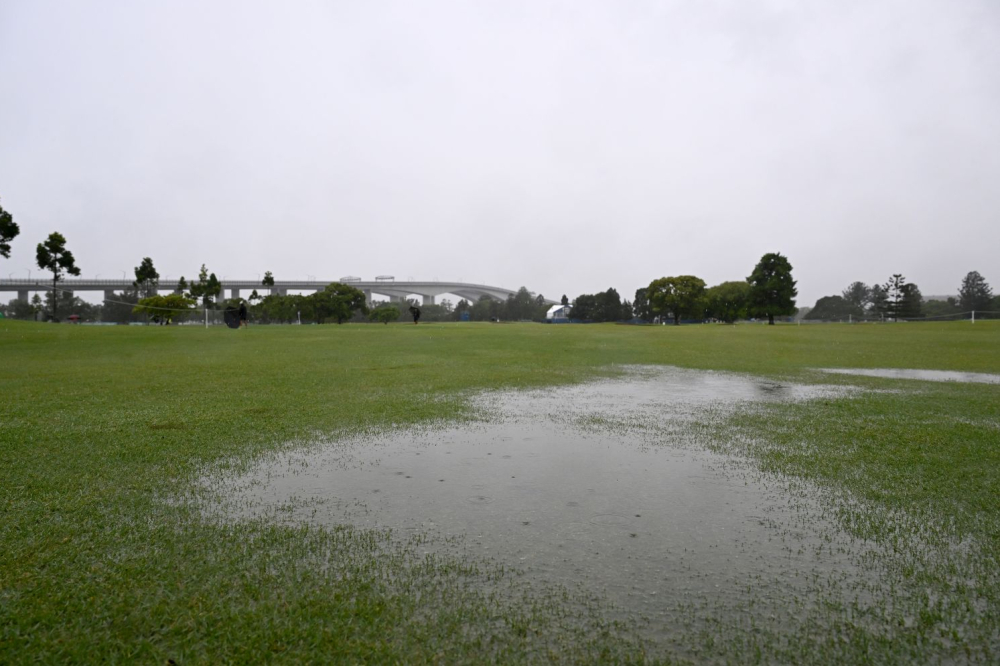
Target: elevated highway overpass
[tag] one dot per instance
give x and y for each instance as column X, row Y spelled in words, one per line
column 391, row 289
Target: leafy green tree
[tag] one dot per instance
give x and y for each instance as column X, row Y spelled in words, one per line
column 584, row 308
column 893, row 296
column 214, row 289
column 485, row 309
column 207, row 287
column 305, row 308
column 147, row 280
column 728, row 301
column 18, row 309
column 119, row 307
column 182, row 286
column 641, row 307
column 461, row 307
column 276, row 308
column 385, row 314
column 626, row 313
column 8, row 232
column 434, row 312
column 877, row 299
column 197, row 289
column 522, row 305
column 975, row 293
column 609, row 305
column 338, row 301
column 254, row 296
column 679, row 296
column 52, row 255
column 268, row 280
column 911, row 302
column 601, row 307
column 772, row 289
column 858, row 294
column 164, row 308
column 72, row 304
column 564, row 300
column 834, row 308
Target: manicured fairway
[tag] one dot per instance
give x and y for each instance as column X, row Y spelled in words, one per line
column 104, row 431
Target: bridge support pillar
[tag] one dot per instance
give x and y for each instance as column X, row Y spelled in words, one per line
column 22, row 295
column 235, row 293
column 428, row 300
column 109, row 294
column 368, row 297
column 395, row 299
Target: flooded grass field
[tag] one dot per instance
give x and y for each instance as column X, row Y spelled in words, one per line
column 611, row 491
column 517, row 493
column 601, row 486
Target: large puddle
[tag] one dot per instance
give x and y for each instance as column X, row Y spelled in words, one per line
column 924, row 375
column 603, row 488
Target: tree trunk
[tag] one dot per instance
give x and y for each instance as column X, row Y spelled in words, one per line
column 55, row 295
column 770, row 320
column 677, row 320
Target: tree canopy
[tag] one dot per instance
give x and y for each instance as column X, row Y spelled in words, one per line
column 728, row 301
column 679, row 296
column 52, row 255
column 858, row 294
column 877, row 299
column 206, row 288
column 975, row 293
column 338, row 301
column 601, row 307
column 911, row 302
column 146, row 278
column 772, row 289
column 641, row 307
column 834, row 308
column 385, row 314
column 8, row 232
column 893, row 289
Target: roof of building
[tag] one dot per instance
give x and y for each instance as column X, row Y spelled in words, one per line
column 555, row 309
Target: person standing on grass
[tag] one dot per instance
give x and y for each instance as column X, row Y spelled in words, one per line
column 415, row 311
column 243, row 314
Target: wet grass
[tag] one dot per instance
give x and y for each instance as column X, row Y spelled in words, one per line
column 100, row 427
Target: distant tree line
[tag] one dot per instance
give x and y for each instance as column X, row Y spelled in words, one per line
column 898, row 299
column 768, row 292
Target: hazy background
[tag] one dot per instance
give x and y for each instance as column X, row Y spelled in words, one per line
column 565, row 146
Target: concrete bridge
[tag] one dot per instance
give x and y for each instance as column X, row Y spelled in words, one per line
column 390, row 288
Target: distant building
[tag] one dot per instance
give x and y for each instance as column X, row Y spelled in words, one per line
column 558, row 313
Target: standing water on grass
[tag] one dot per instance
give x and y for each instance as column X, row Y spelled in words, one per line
column 922, row 375
column 603, row 488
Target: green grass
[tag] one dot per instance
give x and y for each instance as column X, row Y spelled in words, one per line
column 100, row 427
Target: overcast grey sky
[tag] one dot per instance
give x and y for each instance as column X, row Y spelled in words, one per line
column 565, row 146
